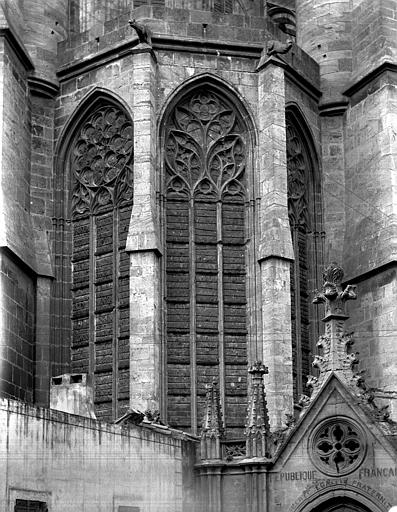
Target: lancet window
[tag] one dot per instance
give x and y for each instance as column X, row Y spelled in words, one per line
column 100, row 160
column 206, row 153
column 305, row 220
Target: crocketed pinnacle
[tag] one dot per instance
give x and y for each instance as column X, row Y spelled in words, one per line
column 257, row 426
column 212, row 427
column 212, row 422
column 335, row 345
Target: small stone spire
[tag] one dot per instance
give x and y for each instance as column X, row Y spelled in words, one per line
column 212, row 428
column 335, row 342
column 257, row 427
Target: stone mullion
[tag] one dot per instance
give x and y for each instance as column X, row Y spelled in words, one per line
column 193, row 334
column 298, row 326
column 222, row 380
column 91, row 294
column 115, row 344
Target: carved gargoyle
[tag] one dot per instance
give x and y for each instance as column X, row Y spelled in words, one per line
column 277, row 47
column 142, row 31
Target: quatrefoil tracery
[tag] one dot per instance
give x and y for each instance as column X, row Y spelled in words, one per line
column 337, row 447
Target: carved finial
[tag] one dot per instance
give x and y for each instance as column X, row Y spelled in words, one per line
column 142, row 31
column 332, row 293
column 335, row 342
column 257, row 427
column 277, row 47
column 212, row 427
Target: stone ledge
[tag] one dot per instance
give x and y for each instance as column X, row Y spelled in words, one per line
column 371, row 80
column 11, row 406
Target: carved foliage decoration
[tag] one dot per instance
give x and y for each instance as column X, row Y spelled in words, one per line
column 102, row 162
column 205, row 152
column 297, row 180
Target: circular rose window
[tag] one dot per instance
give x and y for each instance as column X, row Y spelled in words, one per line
column 337, row 447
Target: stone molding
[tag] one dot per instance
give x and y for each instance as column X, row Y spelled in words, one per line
column 18, row 47
column 41, row 87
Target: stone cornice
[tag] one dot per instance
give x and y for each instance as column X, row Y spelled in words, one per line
column 370, row 77
column 18, row 47
column 370, row 273
column 162, row 43
column 186, row 45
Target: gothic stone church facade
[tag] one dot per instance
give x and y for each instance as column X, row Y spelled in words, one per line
column 178, row 179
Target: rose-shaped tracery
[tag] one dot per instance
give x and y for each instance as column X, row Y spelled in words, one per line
column 338, row 447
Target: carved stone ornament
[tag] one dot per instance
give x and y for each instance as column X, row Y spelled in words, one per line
column 142, row 31
column 212, row 422
column 257, row 428
column 212, row 427
column 205, row 152
column 335, row 343
column 337, row 447
column 332, row 293
column 234, row 450
column 101, row 162
column 275, row 47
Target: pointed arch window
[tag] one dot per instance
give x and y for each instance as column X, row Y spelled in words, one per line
column 100, row 160
column 205, row 163
column 304, row 210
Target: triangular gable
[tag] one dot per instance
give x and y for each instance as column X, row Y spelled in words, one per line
column 336, row 449
column 335, row 398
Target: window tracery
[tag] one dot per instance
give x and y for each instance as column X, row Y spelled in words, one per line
column 205, row 185
column 100, row 159
column 304, row 223
column 337, row 447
